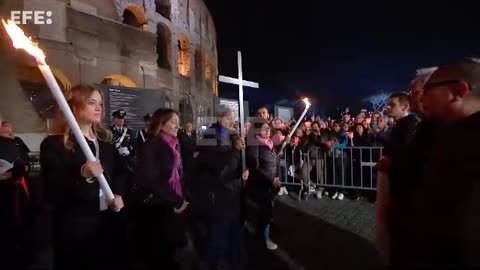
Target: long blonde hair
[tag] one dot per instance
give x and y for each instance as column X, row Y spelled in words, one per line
column 77, row 98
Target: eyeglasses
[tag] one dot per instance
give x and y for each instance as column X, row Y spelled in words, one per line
column 266, row 129
column 428, row 86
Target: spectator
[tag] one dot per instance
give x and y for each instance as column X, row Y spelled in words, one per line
column 10, row 133
column 380, row 135
column 263, row 113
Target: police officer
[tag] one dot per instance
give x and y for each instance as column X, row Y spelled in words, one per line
column 123, row 138
column 142, row 134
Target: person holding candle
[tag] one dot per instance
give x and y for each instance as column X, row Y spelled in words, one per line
column 265, row 176
column 85, row 233
column 160, row 191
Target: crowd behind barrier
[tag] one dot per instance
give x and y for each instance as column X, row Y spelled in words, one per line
column 350, row 169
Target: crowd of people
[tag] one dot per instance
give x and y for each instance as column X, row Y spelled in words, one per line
column 173, row 186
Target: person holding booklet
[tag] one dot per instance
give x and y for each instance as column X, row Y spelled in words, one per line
column 13, row 203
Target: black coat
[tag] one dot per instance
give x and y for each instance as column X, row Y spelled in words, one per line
column 216, row 186
column 447, row 206
column 155, row 169
column 188, row 147
column 10, row 189
column 262, row 164
column 65, row 187
column 128, row 141
column 83, row 236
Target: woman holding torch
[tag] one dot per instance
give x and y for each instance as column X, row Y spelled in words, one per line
column 83, row 227
column 265, row 182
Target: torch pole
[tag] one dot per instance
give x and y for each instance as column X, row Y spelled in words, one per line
column 294, row 129
column 72, row 123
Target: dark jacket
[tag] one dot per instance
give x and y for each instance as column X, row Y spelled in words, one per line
column 65, row 188
column 128, row 141
column 188, row 147
column 401, row 134
column 448, row 201
column 11, row 189
column 155, row 169
column 216, row 186
column 262, row 164
column 405, row 179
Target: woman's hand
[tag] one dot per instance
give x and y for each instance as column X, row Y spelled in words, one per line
column 117, row 203
column 182, row 208
column 245, row 175
column 276, row 182
column 91, row 169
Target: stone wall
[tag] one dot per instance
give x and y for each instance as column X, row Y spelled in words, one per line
column 88, row 42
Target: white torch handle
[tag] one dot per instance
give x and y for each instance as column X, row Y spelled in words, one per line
column 293, row 130
column 62, row 103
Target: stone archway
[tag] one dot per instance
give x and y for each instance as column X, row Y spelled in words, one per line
column 164, row 8
column 134, row 15
column 164, row 46
column 34, row 86
column 119, row 80
column 183, row 55
column 198, row 64
column 186, row 112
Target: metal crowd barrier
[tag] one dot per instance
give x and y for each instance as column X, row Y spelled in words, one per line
column 350, row 168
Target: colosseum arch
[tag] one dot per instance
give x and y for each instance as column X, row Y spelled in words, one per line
column 198, row 63
column 186, row 112
column 164, row 8
column 134, row 15
column 164, row 46
column 34, row 86
column 119, row 80
column 208, row 68
column 183, row 55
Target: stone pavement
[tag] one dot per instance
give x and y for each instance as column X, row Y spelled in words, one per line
column 318, row 234
column 357, row 217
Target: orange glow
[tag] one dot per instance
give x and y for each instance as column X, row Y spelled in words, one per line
column 307, row 103
column 21, row 41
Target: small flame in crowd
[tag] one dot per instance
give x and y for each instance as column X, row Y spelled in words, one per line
column 21, row 41
column 307, row 103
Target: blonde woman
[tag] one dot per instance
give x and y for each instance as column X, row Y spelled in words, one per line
column 83, row 227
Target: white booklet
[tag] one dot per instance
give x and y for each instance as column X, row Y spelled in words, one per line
column 5, row 165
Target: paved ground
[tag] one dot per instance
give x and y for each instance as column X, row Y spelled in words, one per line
column 313, row 234
column 319, row 234
column 357, row 217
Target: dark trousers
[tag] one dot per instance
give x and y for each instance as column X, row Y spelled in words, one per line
column 263, row 196
column 225, row 245
column 15, row 251
column 160, row 232
column 89, row 242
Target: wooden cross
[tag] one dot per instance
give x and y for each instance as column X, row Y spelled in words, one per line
column 240, row 82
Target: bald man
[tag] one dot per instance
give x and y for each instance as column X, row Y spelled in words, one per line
column 447, row 212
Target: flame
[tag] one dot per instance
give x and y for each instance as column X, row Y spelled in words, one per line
column 20, row 41
column 307, row 103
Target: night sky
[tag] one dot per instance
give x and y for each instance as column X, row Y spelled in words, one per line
column 337, row 52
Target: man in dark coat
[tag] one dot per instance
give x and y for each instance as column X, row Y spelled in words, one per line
column 187, row 138
column 448, row 202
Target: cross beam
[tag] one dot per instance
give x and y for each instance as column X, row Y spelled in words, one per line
column 240, row 82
